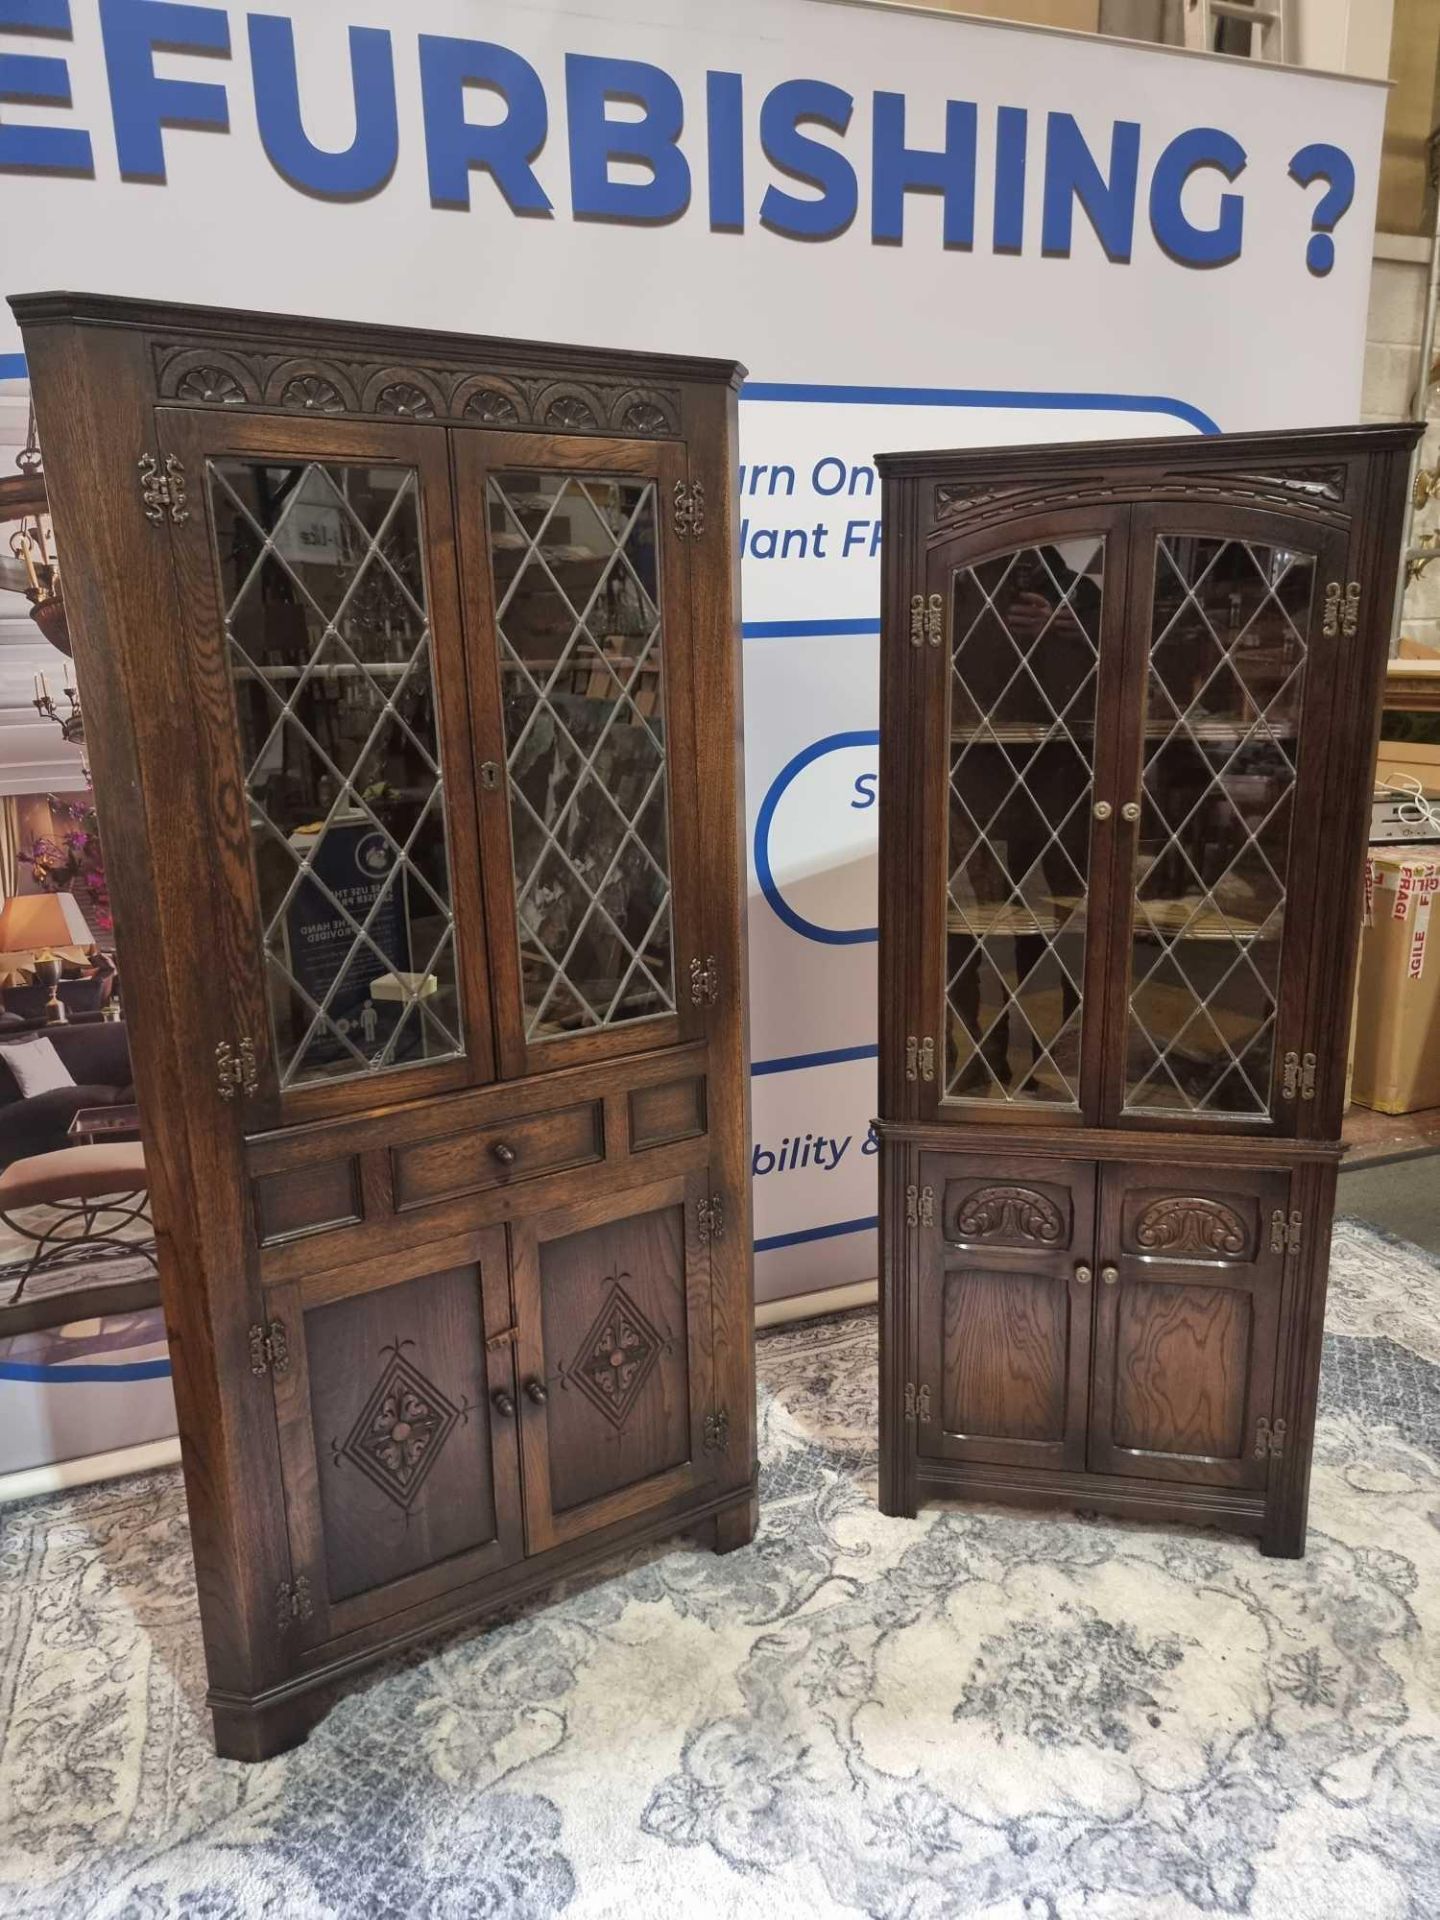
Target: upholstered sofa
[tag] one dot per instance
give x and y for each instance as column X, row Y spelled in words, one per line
column 97, row 1056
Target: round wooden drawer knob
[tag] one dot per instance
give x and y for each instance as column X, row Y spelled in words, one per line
column 505, row 1155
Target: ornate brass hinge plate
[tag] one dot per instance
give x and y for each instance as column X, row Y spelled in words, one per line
column 292, row 1602
column 919, row 1057
column 717, row 1431
column 935, row 620
column 1342, row 609
column 269, row 1348
column 710, row 1218
column 1269, row 1439
column 704, row 981
column 1285, row 1233
column 162, row 489
column 919, row 1206
column 917, row 1403
column 917, row 619
column 689, row 509
column 236, row 1071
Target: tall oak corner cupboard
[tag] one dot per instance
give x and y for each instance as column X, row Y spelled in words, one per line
column 411, row 684
column 1129, row 701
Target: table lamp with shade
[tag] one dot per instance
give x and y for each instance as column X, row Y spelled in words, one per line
column 38, row 923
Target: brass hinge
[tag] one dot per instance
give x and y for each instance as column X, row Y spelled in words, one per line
column 1290, row 1076
column 917, row 619
column 1342, row 609
column 710, row 1218
column 919, row 1057
column 917, row 1403
column 1307, row 1076
column 919, row 1206
column 935, row 620
column 292, row 1601
column 1269, row 1439
column 689, row 509
column 162, row 489
column 717, row 1431
column 269, row 1348
column 236, row 1070
column 1285, row 1233
column 704, row 981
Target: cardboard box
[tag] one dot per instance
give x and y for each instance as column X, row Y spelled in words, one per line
column 1397, row 1016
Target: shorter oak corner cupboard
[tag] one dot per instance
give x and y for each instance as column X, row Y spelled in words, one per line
column 411, row 679
column 1129, row 700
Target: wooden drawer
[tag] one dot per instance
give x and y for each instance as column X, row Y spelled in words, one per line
column 456, row 1163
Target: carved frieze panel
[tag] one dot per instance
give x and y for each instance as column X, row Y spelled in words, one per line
column 1192, row 1226
column 1310, row 491
column 243, row 376
column 1010, row 1215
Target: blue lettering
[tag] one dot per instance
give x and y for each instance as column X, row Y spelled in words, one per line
column 865, row 785
column 595, row 140
column 39, row 80
column 899, row 170
column 143, row 104
column 1071, row 174
column 807, row 160
column 1191, row 245
column 1011, row 134
column 724, row 112
column 363, row 167
column 454, row 146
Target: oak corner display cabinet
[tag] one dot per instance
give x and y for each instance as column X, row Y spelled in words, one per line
column 1129, row 700
column 411, row 683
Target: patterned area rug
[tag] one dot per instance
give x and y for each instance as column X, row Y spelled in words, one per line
column 976, row 1713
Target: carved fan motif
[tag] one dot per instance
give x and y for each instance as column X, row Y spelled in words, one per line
column 1011, row 1213
column 1190, row 1224
column 569, row 413
column 644, row 417
column 212, row 385
column 312, row 394
column 399, row 1435
column 411, row 403
column 617, row 1356
column 493, row 407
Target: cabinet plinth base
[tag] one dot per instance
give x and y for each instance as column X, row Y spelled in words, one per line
column 1095, row 1493
column 273, row 1722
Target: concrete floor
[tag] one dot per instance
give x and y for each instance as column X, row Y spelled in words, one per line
column 1400, row 1196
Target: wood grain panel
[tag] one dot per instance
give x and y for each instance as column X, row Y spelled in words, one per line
column 613, row 1304
column 305, row 1200
column 453, row 1164
column 401, row 1420
column 1006, row 1355
column 1182, row 1364
column 674, row 1110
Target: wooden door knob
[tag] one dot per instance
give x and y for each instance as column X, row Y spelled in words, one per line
column 502, row 1403
column 1109, row 1275
column 505, row 1155
column 535, row 1391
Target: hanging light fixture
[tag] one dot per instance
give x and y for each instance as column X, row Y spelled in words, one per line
column 33, row 568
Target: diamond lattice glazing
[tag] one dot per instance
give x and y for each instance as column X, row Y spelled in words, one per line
column 579, row 625
column 1227, row 664
column 330, row 655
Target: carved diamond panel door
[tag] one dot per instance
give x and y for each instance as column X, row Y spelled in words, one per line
column 1191, row 1267
column 1234, row 646
column 1005, row 1287
column 397, row 1425
column 613, row 1299
column 580, row 561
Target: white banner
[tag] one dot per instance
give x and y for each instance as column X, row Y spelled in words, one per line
column 914, row 230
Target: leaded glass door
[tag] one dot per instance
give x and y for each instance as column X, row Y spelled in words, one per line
column 327, row 678
column 1234, row 624
column 576, row 568
column 1022, row 760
